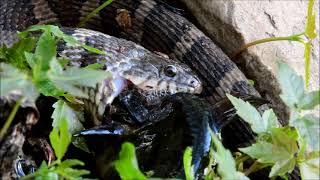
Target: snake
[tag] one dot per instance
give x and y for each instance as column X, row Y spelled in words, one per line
column 157, row 27
column 153, row 24
column 155, row 75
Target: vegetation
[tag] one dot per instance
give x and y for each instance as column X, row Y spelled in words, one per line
column 32, row 66
column 42, row 72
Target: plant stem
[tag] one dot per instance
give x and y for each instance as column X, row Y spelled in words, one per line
column 255, row 167
column 242, row 159
column 93, row 13
column 10, row 118
column 260, row 41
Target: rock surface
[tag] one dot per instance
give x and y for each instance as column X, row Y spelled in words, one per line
column 234, row 23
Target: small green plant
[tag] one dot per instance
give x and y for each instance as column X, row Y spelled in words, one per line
column 283, row 148
column 60, row 138
column 310, row 33
column 42, row 72
column 31, row 67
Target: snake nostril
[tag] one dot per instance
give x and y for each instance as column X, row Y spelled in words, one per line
column 192, row 82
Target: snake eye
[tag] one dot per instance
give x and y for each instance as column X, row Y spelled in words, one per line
column 170, row 71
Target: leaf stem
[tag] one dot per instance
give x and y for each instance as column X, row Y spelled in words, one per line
column 260, row 41
column 255, row 167
column 93, row 13
column 10, row 118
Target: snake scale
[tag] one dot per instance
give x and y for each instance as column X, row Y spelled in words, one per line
column 151, row 23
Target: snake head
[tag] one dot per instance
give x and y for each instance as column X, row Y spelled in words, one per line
column 160, row 75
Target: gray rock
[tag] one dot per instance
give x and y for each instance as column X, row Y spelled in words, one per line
column 234, row 23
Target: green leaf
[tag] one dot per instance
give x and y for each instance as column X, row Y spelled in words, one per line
column 285, row 137
column 63, row 111
column 65, row 169
column 30, row 59
column 307, row 53
column 310, row 100
column 60, row 139
column 281, row 152
column 55, row 67
column 95, row 66
column 310, row 169
column 47, row 88
column 13, row 79
column 58, row 33
column 266, row 152
column 226, row 163
column 45, row 51
column 127, row 165
column 308, row 127
column 15, row 54
column 71, row 173
column 291, row 84
column 73, row 78
column 74, row 118
column 270, row 119
column 249, row 114
column 282, row 167
column 311, row 21
column 70, row 162
column 188, row 168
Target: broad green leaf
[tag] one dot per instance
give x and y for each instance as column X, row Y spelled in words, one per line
column 311, row 21
column 72, row 79
column 310, row 100
column 291, row 84
column 45, row 50
column 55, row 66
column 282, row 167
column 127, row 165
column 310, row 169
column 281, row 152
column 226, row 163
column 13, row 79
column 30, row 59
column 74, row 118
column 60, row 139
column 249, row 114
column 48, row 88
column 308, row 127
column 65, row 169
column 188, row 168
column 70, row 173
column 285, row 137
column 63, row 111
column 49, row 175
column 266, row 152
column 307, row 53
column 70, row 162
column 270, row 119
